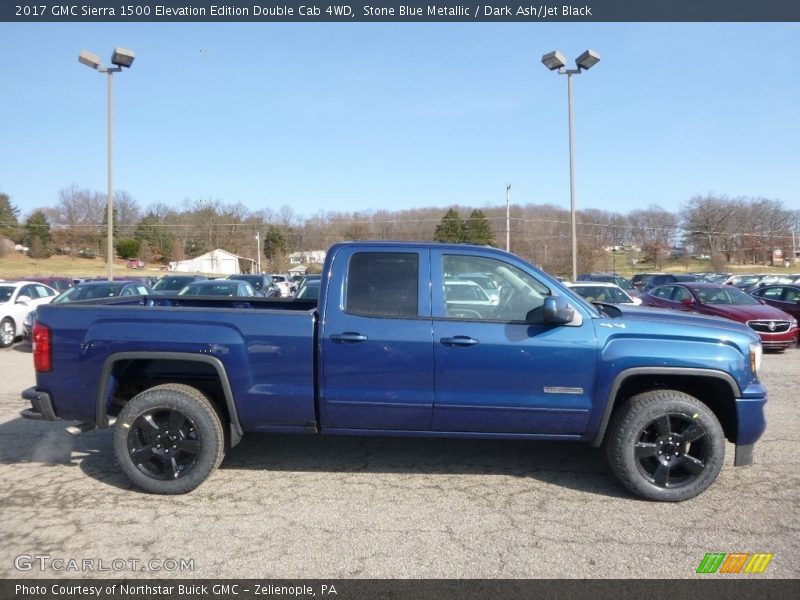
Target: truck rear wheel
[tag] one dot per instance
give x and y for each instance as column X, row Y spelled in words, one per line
column 665, row 445
column 169, row 439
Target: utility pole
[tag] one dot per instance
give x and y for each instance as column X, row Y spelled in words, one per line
column 508, row 218
column 258, row 251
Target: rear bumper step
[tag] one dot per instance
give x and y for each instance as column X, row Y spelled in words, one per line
column 41, row 406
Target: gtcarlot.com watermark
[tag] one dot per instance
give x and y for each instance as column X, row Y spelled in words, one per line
column 59, row 564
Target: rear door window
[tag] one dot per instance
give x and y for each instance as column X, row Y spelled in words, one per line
column 383, row 284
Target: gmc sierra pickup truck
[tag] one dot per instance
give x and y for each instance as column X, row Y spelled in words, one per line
column 404, row 341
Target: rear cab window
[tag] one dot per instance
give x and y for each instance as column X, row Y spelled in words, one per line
column 383, row 284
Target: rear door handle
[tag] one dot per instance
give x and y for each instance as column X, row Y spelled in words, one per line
column 348, row 337
column 459, row 340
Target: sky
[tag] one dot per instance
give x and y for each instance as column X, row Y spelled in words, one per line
column 368, row 116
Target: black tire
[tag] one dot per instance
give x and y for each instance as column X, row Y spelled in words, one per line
column 8, row 332
column 665, row 445
column 169, row 439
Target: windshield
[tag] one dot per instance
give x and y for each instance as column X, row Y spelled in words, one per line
column 89, row 291
column 213, row 289
column 602, row 294
column 310, row 291
column 172, row 283
column 726, row 295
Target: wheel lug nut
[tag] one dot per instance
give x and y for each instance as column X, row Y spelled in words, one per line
column 659, row 452
column 677, row 454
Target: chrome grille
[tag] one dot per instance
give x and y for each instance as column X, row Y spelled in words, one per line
column 769, row 326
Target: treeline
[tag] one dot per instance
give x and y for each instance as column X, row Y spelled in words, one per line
column 725, row 229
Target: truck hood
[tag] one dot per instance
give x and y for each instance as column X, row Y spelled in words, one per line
column 674, row 318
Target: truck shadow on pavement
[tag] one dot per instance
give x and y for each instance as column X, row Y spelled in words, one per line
column 568, row 465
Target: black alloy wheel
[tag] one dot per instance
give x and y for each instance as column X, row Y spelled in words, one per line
column 169, row 439
column 672, row 450
column 665, row 445
column 163, row 444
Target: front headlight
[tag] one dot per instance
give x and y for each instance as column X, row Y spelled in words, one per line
column 755, row 358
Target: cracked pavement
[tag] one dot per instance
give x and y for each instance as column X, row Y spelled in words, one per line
column 319, row 507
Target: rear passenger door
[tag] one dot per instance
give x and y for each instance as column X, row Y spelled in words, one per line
column 376, row 343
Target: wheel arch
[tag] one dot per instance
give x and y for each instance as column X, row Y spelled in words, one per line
column 112, row 378
column 716, row 389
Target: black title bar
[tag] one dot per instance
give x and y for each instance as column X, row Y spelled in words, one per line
column 391, row 11
column 709, row 588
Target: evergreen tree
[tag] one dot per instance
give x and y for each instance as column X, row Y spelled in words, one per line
column 450, row 228
column 37, row 235
column 478, row 230
column 155, row 236
column 9, row 218
column 128, row 247
column 275, row 242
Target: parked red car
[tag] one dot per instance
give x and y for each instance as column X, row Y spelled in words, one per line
column 777, row 329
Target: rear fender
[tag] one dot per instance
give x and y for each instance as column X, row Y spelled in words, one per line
column 107, row 384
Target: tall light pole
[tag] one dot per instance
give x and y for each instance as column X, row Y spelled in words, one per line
column 122, row 57
column 555, row 61
column 508, row 218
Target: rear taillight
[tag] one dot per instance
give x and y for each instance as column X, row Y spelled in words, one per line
column 42, row 348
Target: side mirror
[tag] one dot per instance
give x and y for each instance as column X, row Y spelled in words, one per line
column 557, row 310
column 24, row 300
column 687, row 301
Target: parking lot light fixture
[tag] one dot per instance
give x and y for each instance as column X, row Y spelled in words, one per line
column 121, row 58
column 555, row 61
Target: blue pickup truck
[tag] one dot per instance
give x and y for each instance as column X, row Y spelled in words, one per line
column 404, row 341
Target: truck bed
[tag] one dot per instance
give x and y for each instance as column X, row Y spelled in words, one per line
column 265, row 346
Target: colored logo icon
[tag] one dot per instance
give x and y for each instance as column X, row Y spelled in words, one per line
column 735, row 562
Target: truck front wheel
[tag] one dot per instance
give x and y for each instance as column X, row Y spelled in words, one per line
column 665, row 445
column 169, row 439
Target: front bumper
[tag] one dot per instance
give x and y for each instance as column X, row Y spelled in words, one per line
column 41, row 406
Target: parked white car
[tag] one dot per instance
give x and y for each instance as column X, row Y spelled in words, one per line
column 599, row 291
column 17, row 299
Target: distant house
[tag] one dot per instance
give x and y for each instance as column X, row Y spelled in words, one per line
column 218, row 262
column 307, row 257
column 6, row 245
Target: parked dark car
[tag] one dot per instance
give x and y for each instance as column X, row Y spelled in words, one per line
column 218, row 287
column 639, row 280
column 309, row 280
column 104, row 289
column 262, row 284
column 784, row 297
column 665, row 278
column 57, row 283
column 172, row 284
column 309, row 290
column 778, row 330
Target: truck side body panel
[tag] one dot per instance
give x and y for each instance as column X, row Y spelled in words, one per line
column 268, row 355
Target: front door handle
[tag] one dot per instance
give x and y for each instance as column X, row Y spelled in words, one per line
column 459, row 340
column 348, row 337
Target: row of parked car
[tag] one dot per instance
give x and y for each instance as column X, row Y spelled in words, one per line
column 767, row 303
column 19, row 299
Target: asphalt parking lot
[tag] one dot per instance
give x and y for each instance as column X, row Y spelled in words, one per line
column 315, row 507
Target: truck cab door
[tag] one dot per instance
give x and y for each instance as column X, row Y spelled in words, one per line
column 505, row 370
column 375, row 342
